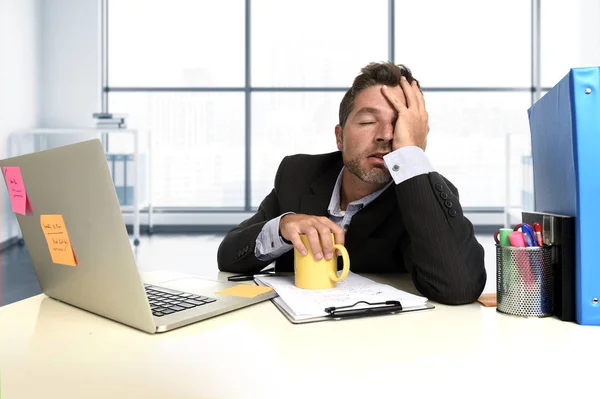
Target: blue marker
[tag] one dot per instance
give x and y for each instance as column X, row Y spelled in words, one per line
column 529, row 234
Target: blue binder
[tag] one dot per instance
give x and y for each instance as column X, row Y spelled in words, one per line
column 565, row 149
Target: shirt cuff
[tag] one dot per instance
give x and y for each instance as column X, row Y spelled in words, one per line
column 269, row 244
column 406, row 163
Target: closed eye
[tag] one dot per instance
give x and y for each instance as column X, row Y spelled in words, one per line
column 366, row 123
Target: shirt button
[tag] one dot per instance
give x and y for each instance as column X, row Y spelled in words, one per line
column 395, row 168
column 439, row 187
column 272, row 244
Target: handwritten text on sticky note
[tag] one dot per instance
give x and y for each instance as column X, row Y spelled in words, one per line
column 58, row 240
column 16, row 190
column 246, row 290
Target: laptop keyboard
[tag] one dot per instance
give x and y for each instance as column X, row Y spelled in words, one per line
column 165, row 301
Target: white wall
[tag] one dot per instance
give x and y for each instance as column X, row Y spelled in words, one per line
column 50, row 73
column 570, row 37
column 71, row 60
column 19, row 82
column 589, row 14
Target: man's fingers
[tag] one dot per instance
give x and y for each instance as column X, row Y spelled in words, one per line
column 340, row 238
column 409, row 93
column 326, row 242
column 318, row 231
column 315, row 243
column 339, row 234
column 335, row 228
column 420, row 98
column 394, row 97
column 298, row 244
column 330, row 227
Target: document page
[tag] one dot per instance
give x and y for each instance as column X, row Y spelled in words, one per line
column 302, row 303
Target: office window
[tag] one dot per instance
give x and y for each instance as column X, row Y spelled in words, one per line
column 285, row 124
column 570, row 37
column 176, row 43
column 315, row 42
column 472, row 45
column 467, row 142
column 197, row 145
column 465, row 43
column 179, row 69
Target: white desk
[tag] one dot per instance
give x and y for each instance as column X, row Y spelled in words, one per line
column 51, row 350
column 40, row 137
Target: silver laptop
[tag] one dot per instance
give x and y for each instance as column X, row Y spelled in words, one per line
column 75, row 182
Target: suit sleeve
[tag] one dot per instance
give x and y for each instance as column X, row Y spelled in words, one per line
column 236, row 252
column 442, row 254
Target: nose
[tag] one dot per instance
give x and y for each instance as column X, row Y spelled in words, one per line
column 386, row 133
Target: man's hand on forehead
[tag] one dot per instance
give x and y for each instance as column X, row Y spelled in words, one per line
column 412, row 125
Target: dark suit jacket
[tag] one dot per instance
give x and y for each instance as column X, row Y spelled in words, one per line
column 416, row 226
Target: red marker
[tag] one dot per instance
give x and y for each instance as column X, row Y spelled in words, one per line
column 537, row 228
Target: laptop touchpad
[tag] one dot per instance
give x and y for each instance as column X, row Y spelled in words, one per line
column 195, row 285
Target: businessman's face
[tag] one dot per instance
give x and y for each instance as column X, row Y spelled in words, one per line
column 367, row 136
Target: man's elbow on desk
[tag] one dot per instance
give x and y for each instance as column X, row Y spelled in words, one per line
column 226, row 262
column 464, row 281
column 232, row 267
column 464, row 296
column 240, row 260
column 459, row 292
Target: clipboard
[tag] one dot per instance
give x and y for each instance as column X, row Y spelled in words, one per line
column 355, row 310
column 375, row 311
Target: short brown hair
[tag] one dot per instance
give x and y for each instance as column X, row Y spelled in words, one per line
column 383, row 73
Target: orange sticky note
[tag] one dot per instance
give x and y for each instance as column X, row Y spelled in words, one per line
column 58, row 240
column 16, row 190
column 246, row 290
column 487, row 300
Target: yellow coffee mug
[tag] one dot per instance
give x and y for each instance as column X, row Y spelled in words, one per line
column 313, row 274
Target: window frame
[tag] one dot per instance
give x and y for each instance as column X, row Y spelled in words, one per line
column 248, row 90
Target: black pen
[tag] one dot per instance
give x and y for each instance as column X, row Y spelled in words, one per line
column 250, row 277
column 389, row 307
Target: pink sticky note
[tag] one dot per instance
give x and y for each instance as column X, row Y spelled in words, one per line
column 16, row 190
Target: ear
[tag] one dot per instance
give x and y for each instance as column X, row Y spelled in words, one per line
column 339, row 139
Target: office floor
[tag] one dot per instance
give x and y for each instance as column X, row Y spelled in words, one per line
column 186, row 253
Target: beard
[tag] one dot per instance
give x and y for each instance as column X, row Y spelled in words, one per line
column 372, row 174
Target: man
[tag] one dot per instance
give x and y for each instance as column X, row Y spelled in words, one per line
column 378, row 195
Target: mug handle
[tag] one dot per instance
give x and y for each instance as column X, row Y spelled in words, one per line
column 333, row 275
column 496, row 235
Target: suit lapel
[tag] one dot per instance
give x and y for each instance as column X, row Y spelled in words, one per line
column 315, row 205
column 371, row 217
column 365, row 222
column 316, row 202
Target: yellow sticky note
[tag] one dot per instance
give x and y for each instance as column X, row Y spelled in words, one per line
column 57, row 237
column 246, row 290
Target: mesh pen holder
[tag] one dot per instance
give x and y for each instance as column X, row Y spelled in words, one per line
column 525, row 281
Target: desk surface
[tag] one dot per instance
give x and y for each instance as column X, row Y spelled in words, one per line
column 52, row 350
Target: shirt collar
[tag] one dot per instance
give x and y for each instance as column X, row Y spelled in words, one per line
column 334, row 204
